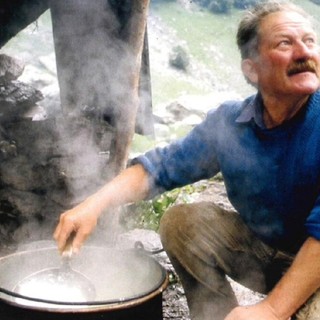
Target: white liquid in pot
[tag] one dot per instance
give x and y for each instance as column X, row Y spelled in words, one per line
column 116, row 277
column 53, row 285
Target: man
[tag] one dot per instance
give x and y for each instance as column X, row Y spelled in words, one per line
column 267, row 148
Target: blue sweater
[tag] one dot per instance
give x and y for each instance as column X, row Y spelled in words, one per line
column 272, row 176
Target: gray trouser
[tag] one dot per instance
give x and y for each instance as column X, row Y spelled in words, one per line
column 205, row 243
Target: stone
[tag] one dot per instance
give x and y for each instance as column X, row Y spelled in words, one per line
column 16, row 98
column 10, row 69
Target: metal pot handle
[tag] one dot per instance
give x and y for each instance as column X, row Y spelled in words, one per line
column 138, row 245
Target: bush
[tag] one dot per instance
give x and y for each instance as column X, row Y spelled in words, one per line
column 147, row 214
column 179, row 58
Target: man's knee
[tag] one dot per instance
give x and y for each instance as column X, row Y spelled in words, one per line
column 174, row 221
column 182, row 223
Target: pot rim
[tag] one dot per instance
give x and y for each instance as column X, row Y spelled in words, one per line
column 84, row 307
column 32, row 303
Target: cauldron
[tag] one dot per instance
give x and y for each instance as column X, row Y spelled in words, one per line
column 128, row 285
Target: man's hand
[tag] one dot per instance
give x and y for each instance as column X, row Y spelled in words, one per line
column 129, row 186
column 80, row 221
column 260, row 311
column 296, row 286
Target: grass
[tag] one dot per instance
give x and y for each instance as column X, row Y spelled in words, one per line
column 200, row 28
column 169, row 88
column 210, row 40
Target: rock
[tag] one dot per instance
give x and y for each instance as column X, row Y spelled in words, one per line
column 179, row 112
column 19, row 174
column 24, row 204
column 16, row 98
column 39, row 78
column 178, row 58
column 8, row 149
column 10, row 69
column 37, row 140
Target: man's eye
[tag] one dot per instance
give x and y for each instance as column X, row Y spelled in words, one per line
column 284, row 43
column 310, row 41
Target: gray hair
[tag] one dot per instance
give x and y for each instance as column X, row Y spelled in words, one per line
column 248, row 30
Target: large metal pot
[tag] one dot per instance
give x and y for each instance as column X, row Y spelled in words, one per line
column 128, row 285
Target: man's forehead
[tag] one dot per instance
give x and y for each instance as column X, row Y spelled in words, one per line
column 284, row 20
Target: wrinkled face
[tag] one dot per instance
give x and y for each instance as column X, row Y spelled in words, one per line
column 288, row 61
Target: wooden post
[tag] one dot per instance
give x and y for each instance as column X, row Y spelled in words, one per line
column 133, row 34
column 98, row 45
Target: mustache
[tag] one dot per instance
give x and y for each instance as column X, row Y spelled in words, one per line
column 302, row 66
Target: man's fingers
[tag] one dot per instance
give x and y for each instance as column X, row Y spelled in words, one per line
column 57, row 231
column 73, row 229
column 78, row 240
column 63, row 231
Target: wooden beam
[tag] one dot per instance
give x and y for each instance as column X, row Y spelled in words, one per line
column 98, row 47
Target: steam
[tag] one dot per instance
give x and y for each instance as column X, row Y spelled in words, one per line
column 97, row 70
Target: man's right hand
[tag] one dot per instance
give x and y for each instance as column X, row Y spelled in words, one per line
column 259, row 311
column 80, row 221
column 129, row 186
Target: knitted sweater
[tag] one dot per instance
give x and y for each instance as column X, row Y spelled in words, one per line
column 272, row 176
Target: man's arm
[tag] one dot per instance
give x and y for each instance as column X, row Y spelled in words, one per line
column 129, row 186
column 295, row 287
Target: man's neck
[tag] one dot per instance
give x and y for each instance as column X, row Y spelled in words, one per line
column 277, row 111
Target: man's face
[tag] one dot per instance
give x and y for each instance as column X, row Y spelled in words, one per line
column 288, row 60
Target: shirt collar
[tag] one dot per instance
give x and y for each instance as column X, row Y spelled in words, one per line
column 252, row 110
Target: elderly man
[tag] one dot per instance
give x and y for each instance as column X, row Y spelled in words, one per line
column 267, row 148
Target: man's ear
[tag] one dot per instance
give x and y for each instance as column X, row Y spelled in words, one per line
column 249, row 70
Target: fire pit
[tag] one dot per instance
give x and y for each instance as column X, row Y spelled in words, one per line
column 128, row 284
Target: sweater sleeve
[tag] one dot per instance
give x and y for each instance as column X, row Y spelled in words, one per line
column 182, row 162
column 313, row 221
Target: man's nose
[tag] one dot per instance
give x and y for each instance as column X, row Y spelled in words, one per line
column 304, row 51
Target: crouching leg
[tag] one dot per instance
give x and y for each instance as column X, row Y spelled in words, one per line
column 205, row 243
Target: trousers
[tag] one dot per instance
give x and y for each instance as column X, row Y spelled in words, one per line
column 205, row 243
